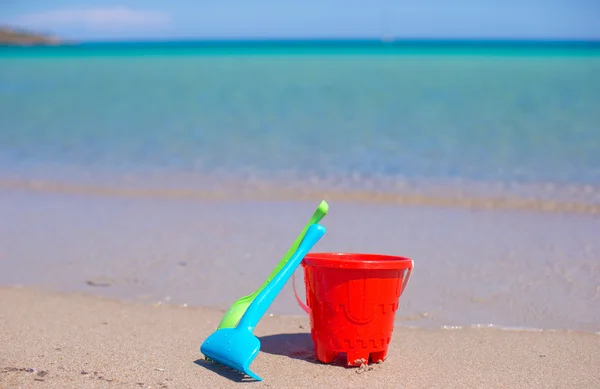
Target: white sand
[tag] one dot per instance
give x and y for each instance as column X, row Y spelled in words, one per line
column 52, row 340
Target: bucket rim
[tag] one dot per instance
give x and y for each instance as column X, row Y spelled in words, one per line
column 357, row 261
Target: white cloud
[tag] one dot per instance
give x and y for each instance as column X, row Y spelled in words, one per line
column 96, row 17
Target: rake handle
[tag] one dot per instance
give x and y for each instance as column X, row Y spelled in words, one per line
column 265, row 298
column 315, row 218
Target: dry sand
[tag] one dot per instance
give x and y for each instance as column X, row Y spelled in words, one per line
column 53, row 340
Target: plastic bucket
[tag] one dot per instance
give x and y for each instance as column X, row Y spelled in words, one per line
column 352, row 301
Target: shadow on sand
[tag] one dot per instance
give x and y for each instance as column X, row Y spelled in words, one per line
column 224, row 371
column 296, row 346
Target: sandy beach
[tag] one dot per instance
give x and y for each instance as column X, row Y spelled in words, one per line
column 55, row 340
column 113, row 292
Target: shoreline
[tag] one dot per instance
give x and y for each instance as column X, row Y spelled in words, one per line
column 268, row 191
column 403, row 322
column 74, row 340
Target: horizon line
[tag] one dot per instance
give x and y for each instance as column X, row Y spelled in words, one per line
column 315, row 39
column 384, row 41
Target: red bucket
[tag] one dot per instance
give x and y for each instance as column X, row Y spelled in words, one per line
column 352, row 301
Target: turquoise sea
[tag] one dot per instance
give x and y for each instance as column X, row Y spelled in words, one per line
column 336, row 112
column 82, row 125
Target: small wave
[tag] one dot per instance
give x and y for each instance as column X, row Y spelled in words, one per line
column 508, row 328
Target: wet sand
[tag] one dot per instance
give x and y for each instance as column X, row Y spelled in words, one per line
column 55, row 340
column 507, row 268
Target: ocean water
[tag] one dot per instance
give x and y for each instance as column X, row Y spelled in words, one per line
column 281, row 113
column 431, row 125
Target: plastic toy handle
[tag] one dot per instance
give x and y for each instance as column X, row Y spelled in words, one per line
column 407, row 276
column 298, row 299
column 319, row 214
column 263, row 301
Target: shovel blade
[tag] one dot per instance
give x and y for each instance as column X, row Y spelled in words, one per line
column 232, row 347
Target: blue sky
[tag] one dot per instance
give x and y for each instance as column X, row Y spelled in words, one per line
column 152, row 19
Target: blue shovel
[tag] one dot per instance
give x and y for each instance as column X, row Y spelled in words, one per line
column 237, row 347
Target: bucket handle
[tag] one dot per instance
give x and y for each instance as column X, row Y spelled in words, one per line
column 307, row 310
column 298, row 299
column 406, row 278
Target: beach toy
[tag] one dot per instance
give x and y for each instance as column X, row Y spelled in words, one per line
column 237, row 309
column 352, row 301
column 237, row 347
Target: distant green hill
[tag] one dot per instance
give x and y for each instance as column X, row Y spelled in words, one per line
column 10, row 36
